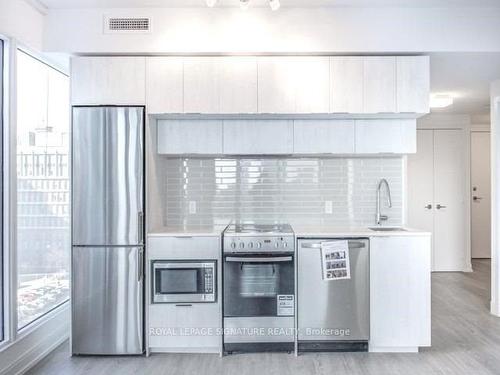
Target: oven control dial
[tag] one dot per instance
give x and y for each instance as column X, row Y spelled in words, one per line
column 277, row 245
column 285, row 244
column 242, row 245
column 250, row 245
column 233, row 245
column 259, row 245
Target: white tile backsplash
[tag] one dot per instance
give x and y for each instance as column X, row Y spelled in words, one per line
column 280, row 189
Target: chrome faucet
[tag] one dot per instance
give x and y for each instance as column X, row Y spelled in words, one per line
column 381, row 217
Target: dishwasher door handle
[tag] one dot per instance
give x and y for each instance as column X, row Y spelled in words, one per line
column 258, row 260
column 352, row 245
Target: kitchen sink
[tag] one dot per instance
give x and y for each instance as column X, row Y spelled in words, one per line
column 387, row 229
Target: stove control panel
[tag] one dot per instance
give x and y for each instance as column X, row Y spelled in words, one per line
column 248, row 244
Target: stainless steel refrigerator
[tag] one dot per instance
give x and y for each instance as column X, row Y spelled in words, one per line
column 108, row 230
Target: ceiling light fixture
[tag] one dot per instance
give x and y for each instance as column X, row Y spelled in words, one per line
column 441, row 100
column 211, row 3
column 274, row 4
column 244, row 4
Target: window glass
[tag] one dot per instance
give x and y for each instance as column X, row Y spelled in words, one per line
column 43, row 188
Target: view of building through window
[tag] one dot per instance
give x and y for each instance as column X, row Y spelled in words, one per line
column 43, row 188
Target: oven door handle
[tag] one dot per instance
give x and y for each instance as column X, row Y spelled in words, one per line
column 259, row 260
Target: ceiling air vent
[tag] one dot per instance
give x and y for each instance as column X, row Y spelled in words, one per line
column 127, row 25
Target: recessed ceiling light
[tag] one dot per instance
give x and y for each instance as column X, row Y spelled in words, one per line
column 441, row 100
column 274, row 4
column 244, row 4
column 211, row 3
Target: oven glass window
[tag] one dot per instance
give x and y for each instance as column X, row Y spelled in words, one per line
column 252, row 288
column 177, row 281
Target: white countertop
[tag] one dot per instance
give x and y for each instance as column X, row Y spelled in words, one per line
column 331, row 231
column 188, row 231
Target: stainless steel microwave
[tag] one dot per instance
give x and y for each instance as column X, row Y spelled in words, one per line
column 184, row 281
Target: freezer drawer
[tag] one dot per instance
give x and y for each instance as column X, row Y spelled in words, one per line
column 108, row 174
column 333, row 310
column 107, row 300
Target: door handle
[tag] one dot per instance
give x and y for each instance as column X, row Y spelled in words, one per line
column 439, row 206
column 429, row 206
column 476, row 199
column 259, row 260
column 352, row 245
column 140, row 227
column 140, row 262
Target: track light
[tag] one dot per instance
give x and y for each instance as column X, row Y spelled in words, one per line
column 244, row 4
column 211, row 3
column 274, row 4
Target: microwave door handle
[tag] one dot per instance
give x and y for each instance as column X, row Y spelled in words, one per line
column 258, row 260
column 352, row 245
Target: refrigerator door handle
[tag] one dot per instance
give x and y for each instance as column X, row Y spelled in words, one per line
column 140, row 272
column 140, row 229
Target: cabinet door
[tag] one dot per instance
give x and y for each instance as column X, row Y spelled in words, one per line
column 237, row 84
column 323, row 136
column 379, row 93
column 201, row 85
column 312, row 84
column 346, row 84
column 108, row 80
column 421, row 183
column 189, row 137
column 164, row 85
column 258, row 137
column 449, row 185
column 400, row 292
column 385, row 136
column 276, row 84
column 170, row 325
column 413, row 84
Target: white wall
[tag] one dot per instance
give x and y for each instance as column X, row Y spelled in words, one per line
column 495, row 198
column 294, row 30
column 21, row 21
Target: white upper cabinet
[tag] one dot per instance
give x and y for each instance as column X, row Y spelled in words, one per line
column 237, row 84
column 276, row 84
column 108, row 80
column 413, row 84
column 312, row 84
column 201, row 85
column 323, row 136
column 386, row 136
column 346, row 84
column 379, row 84
column 258, row 137
column 189, row 137
column 164, row 85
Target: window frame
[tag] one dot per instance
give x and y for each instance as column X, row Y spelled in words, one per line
column 9, row 196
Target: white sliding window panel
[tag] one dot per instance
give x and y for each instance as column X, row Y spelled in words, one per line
column 346, row 84
column 164, row 85
column 237, row 84
column 201, row 85
column 323, row 137
column 379, row 93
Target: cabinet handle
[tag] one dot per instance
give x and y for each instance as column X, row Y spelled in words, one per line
column 440, row 206
column 184, row 305
column 429, row 206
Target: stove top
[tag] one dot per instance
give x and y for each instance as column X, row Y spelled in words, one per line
column 260, row 238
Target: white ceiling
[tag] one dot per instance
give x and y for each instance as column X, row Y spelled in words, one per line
column 284, row 3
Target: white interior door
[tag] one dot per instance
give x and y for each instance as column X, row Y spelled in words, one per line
column 421, row 183
column 481, row 195
column 449, row 201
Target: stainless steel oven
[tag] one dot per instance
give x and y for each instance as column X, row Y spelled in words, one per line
column 184, row 281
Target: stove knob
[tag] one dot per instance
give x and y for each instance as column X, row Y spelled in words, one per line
column 259, row 245
column 242, row 245
column 276, row 245
column 233, row 245
column 285, row 245
column 250, row 245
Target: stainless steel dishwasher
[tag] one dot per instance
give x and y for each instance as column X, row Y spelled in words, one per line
column 333, row 315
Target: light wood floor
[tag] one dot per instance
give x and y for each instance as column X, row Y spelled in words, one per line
column 465, row 338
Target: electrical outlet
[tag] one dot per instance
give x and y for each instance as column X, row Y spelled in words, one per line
column 328, row 207
column 192, row 207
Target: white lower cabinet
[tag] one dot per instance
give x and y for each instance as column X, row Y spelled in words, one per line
column 258, row 137
column 189, row 137
column 323, row 136
column 386, row 136
column 400, row 293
